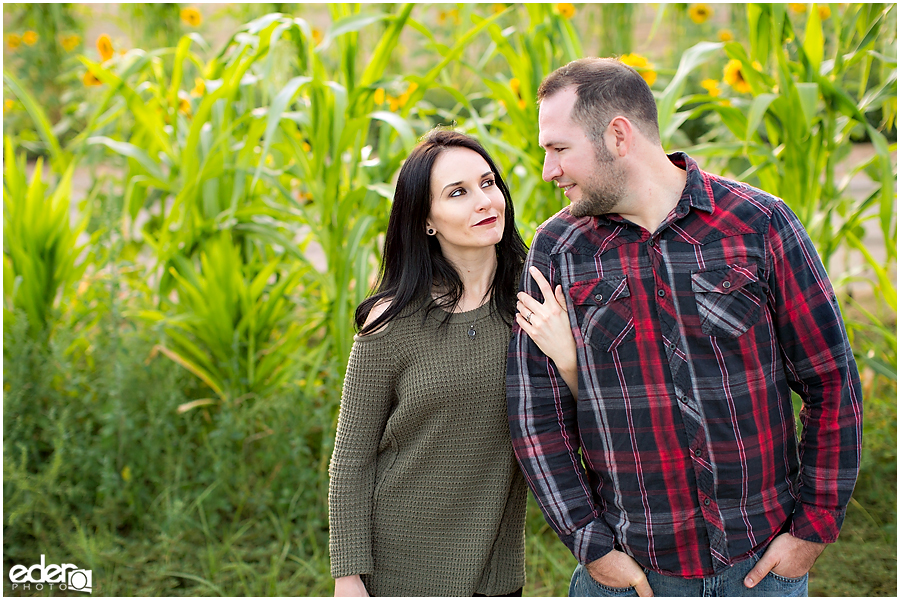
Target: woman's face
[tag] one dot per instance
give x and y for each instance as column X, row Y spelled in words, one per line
column 467, row 207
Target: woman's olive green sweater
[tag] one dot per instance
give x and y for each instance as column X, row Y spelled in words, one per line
column 426, row 497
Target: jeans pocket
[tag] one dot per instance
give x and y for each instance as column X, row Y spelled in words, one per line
column 785, row 587
column 583, row 585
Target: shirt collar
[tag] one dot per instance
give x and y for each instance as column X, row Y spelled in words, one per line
column 697, row 193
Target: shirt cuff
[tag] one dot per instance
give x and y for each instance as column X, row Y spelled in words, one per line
column 815, row 524
column 593, row 541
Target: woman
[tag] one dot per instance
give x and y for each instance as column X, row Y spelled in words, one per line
column 426, row 497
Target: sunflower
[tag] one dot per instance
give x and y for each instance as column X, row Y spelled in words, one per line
column 404, row 97
column 699, row 13
column 105, row 47
column 498, row 8
column 8, row 105
column 317, row 36
column 90, row 80
column 184, row 106
column 798, row 7
column 30, row 37
column 824, row 11
column 70, row 42
column 199, row 87
column 725, row 35
column 13, row 40
column 641, row 65
column 711, row 86
column 516, row 86
column 191, row 16
column 379, row 96
column 566, row 10
column 734, row 76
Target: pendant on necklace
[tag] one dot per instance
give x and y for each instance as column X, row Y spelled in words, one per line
column 472, row 331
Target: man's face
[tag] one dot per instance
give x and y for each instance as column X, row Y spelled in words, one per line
column 590, row 177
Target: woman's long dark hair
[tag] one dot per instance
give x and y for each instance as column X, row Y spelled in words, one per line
column 412, row 262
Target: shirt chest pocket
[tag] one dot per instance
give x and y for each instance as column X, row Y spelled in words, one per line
column 729, row 299
column 603, row 311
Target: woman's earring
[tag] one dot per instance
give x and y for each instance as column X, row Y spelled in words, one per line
column 430, row 231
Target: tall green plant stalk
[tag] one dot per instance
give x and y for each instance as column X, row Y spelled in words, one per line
column 42, row 257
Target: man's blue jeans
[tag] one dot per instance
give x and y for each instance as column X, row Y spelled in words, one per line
column 728, row 583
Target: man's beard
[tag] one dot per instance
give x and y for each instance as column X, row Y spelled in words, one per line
column 602, row 193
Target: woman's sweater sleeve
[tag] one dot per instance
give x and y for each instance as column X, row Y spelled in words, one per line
column 365, row 407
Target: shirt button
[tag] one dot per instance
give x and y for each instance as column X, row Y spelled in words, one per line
column 698, row 453
column 706, row 502
column 598, row 297
column 660, row 293
column 726, row 285
column 683, row 399
column 652, row 242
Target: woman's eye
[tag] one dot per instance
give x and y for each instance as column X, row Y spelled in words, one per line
column 487, row 183
column 457, row 192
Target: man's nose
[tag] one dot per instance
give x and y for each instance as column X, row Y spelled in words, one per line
column 551, row 168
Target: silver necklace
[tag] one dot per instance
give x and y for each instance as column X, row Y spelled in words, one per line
column 471, row 332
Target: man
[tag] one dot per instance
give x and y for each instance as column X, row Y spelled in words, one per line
column 697, row 304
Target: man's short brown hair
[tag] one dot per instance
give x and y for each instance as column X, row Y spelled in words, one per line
column 606, row 88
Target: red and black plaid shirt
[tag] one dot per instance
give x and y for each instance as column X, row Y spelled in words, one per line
column 682, row 449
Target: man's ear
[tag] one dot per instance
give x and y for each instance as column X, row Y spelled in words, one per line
column 623, row 134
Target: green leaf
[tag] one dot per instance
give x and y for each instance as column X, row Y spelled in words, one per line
column 808, row 94
column 690, row 60
column 813, row 40
column 757, row 110
column 130, row 151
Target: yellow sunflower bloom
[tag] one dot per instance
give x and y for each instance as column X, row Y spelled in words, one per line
column 70, row 42
column 711, row 86
column 318, row 36
column 379, row 96
column 498, row 8
column 725, row 35
column 824, row 11
column 566, row 10
column 641, row 65
column 798, row 7
column 30, row 37
column 199, row 87
column 8, row 105
column 90, row 80
column 13, row 40
column 700, row 13
column 184, row 106
column 105, row 47
column 404, row 97
column 734, row 76
column 516, row 86
column 191, row 16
